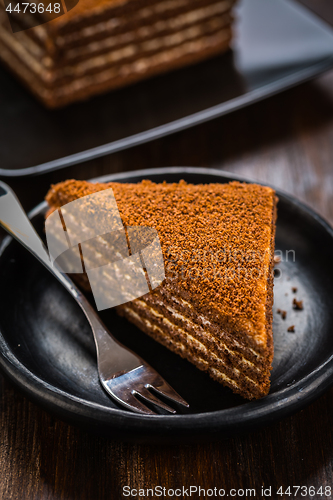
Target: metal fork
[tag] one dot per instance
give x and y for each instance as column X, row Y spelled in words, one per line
column 124, row 375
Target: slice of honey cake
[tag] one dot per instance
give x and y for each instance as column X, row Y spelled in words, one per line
column 102, row 45
column 214, row 307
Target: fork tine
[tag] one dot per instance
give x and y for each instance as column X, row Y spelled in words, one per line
column 163, row 388
column 128, row 400
column 151, row 398
column 135, row 405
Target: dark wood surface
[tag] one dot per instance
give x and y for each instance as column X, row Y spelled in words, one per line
column 286, row 141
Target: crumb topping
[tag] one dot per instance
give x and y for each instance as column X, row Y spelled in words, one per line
column 215, row 238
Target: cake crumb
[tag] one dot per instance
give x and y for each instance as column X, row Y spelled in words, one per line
column 291, row 329
column 277, row 259
column 294, row 289
column 298, row 304
column 283, row 313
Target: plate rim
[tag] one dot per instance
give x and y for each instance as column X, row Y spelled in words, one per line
column 244, row 418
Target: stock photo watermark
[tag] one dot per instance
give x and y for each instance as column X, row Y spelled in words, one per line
column 195, row 491
column 225, row 264
column 88, row 235
column 23, row 15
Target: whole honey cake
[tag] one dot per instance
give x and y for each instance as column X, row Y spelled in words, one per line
column 101, row 45
column 214, row 307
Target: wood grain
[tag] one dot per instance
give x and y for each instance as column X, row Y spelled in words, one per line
column 286, row 141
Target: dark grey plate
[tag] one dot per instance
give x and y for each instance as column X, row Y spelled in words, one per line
column 47, row 350
column 278, row 44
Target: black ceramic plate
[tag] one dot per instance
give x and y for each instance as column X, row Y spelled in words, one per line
column 47, row 350
column 278, row 44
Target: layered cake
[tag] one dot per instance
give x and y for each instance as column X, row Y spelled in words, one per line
column 214, row 306
column 104, row 44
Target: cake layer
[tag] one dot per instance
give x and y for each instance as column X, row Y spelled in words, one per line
column 92, row 15
column 118, row 44
column 222, row 345
column 108, row 54
column 186, row 315
column 144, row 17
column 215, row 305
column 189, row 52
column 147, row 38
column 190, row 348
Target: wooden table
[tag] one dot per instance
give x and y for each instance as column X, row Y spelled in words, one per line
column 286, row 141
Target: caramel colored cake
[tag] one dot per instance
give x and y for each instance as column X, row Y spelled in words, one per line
column 214, row 307
column 101, row 45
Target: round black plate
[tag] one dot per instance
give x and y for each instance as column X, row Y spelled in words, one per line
column 47, row 350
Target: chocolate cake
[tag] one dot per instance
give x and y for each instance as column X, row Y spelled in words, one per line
column 105, row 44
column 214, row 307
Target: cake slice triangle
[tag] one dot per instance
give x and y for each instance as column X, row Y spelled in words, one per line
column 214, row 307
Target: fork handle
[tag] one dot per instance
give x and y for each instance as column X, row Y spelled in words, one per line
column 15, row 221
